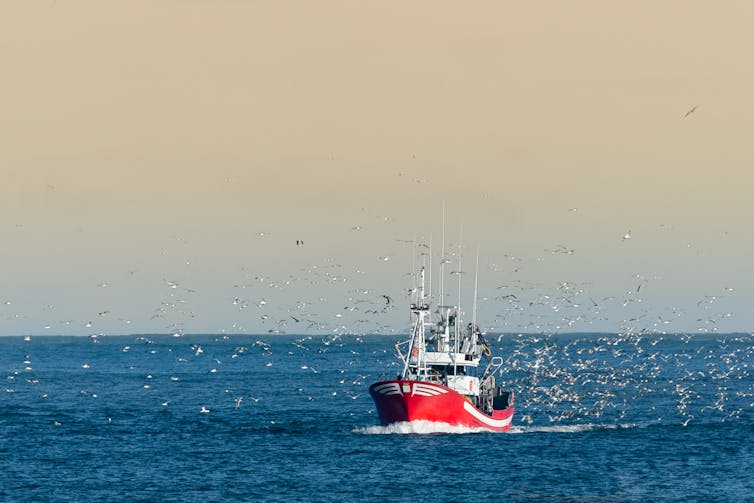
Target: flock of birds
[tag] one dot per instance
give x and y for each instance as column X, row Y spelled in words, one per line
column 559, row 379
column 632, row 378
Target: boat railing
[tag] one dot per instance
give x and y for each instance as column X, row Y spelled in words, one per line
column 401, row 355
column 494, row 364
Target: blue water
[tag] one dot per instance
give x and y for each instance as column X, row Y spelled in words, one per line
column 598, row 418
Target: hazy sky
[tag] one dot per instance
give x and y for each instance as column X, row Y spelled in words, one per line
column 159, row 161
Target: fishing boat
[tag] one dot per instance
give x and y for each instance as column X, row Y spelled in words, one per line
column 448, row 373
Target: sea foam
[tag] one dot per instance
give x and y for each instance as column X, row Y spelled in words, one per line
column 418, row 427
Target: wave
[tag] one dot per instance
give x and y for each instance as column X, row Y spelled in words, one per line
column 419, row 427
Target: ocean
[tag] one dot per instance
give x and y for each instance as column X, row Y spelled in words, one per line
column 599, row 417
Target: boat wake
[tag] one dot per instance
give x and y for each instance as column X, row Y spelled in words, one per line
column 575, row 428
column 429, row 427
column 418, row 427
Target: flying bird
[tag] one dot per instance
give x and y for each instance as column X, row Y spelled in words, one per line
column 693, row 109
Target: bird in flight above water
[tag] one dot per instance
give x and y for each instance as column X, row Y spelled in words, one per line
column 693, row 109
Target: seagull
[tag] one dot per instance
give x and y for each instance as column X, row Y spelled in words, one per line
column 238, row 401
column 693, row 109
column 204, row 410
column 627, row 235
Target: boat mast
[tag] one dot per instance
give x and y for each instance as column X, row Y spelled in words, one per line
column 476, row 285
column 414, row 258
column 430, row 267
column 420, row 341
column 417, row 343
column 441, row 302
column 460, row 271
column 456, row 328
column 421, row 357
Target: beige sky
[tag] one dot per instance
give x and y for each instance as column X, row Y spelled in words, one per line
column 137, row 133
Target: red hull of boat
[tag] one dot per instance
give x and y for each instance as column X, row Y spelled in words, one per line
column 406, row 400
